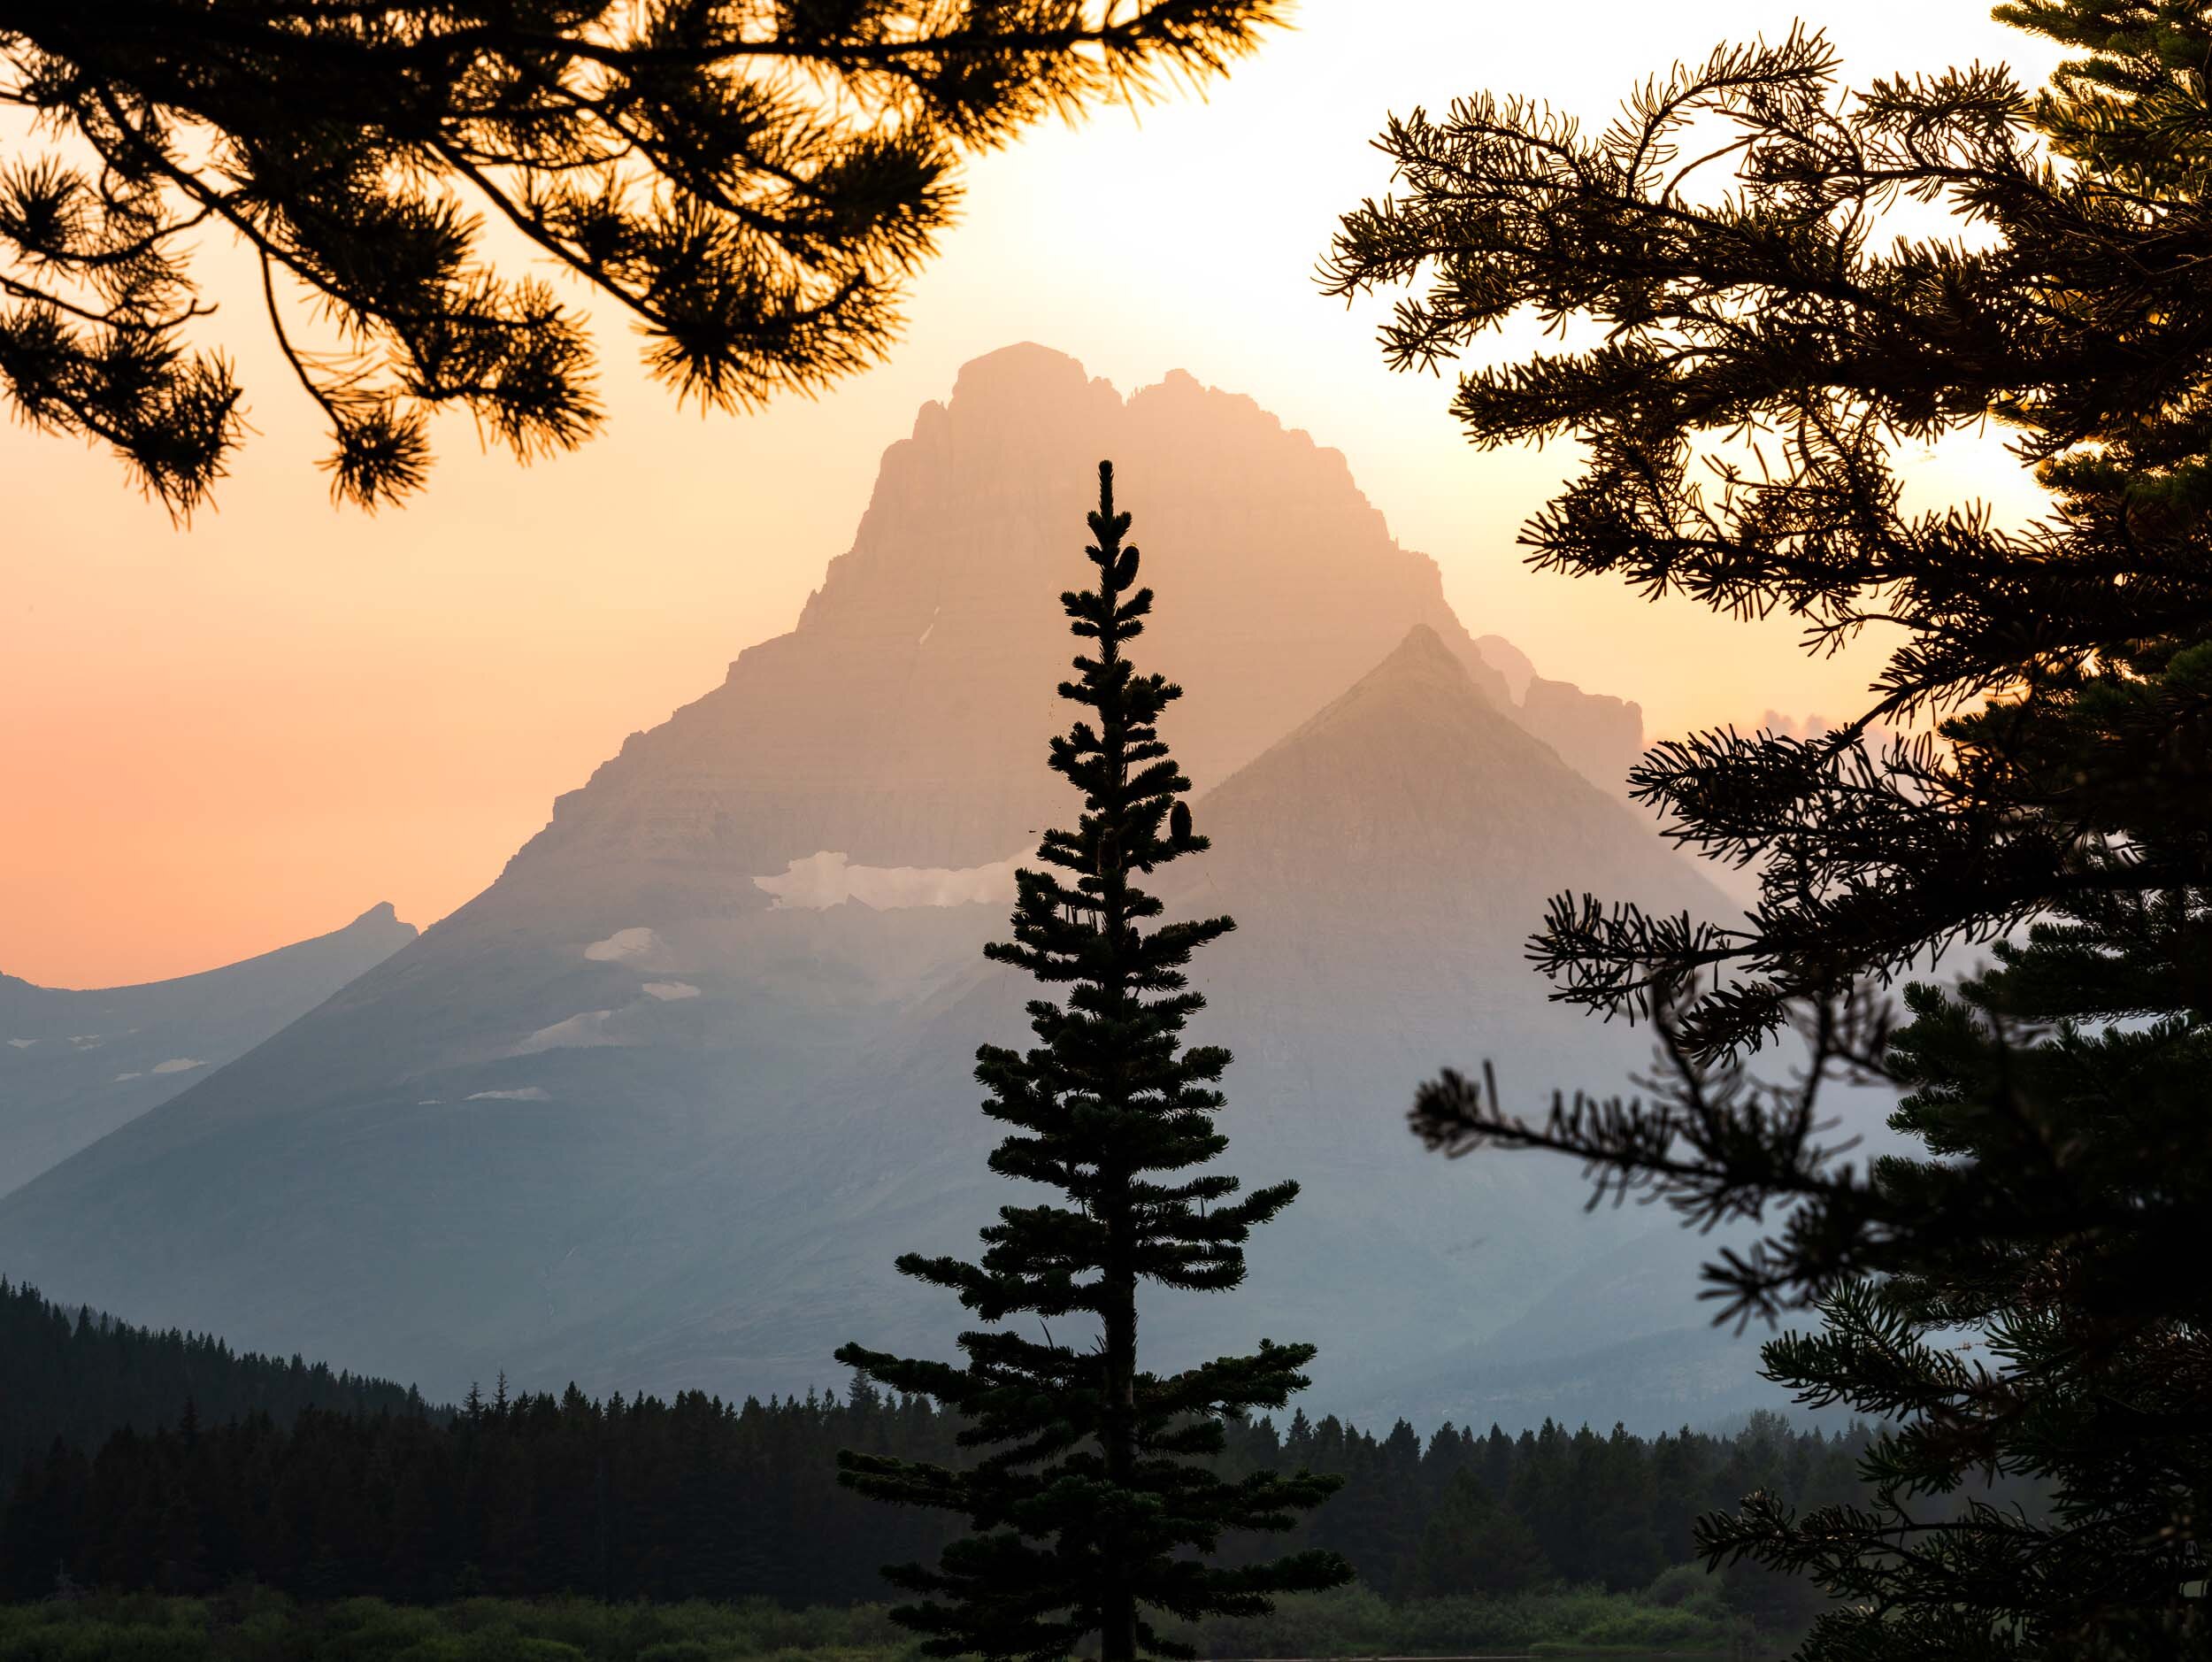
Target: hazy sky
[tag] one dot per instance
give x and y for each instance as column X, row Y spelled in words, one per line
column 219, row 739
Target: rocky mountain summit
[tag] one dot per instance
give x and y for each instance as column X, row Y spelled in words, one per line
column 899, row 722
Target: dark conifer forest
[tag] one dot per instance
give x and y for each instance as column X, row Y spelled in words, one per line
column 73, row 1377
column 367, row 1491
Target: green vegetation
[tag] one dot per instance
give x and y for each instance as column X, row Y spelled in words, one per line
column 1747, row 356
column 254, row 1624
column 1354, row 1621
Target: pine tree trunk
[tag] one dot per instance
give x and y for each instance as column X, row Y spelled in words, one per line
column 1118, row 1634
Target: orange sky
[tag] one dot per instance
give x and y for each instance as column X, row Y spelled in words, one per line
column 219, row 739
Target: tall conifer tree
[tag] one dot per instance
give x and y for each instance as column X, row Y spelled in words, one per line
column 1095, row 1505
column 2025, row 1294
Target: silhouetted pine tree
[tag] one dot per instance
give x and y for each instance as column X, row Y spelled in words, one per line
column 2028, row 1297
column 1094, row 1505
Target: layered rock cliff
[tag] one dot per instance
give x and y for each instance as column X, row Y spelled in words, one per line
column 899, row 722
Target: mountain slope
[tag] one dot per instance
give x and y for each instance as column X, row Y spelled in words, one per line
column 658, row 1108
column 1420, row 792
column 1383, row 865
column 73, row 1066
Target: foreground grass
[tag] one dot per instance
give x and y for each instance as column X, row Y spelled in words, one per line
column 1563, row 1621
column 258, row 1625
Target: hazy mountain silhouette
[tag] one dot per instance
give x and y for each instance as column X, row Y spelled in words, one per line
column 632, row 1117
column 1384, row 864
column 75, row 1065
column 900, row 722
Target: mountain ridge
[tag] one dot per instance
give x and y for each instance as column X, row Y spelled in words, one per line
column 623, row 1117
column 1326, row 1059
column 77, row 1062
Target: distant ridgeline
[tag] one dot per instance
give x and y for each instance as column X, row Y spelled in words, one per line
column 328, row 1495
column 76, row 1376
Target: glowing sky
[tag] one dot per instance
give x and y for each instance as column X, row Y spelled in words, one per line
column 219, row 739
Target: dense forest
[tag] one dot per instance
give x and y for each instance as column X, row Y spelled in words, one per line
column 364, row 1490
column 77, row 1376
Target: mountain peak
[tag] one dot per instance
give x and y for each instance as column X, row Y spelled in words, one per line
column 1420, row 686
column 901, row 721
column 1423, row 648
column 1019, row 375
column 1440, row 815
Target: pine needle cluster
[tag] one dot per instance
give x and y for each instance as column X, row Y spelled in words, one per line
column 1758, row 356
column 749, row 183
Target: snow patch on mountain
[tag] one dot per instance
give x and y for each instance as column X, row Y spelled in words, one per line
column 828, row 879
column 587, row 1027
column 624, row 946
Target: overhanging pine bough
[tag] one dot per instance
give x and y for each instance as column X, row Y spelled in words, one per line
column 1094, row 1503
column 749, row 184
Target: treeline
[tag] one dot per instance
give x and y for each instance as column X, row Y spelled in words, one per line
column 78, row 1376
column 1494, row 1513
column 701, row 1498
column 630, row 1498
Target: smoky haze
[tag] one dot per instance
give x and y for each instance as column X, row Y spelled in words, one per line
column 659, row 1107
column 236, row 733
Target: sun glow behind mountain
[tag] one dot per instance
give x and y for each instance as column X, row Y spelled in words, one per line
column 218, row 738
